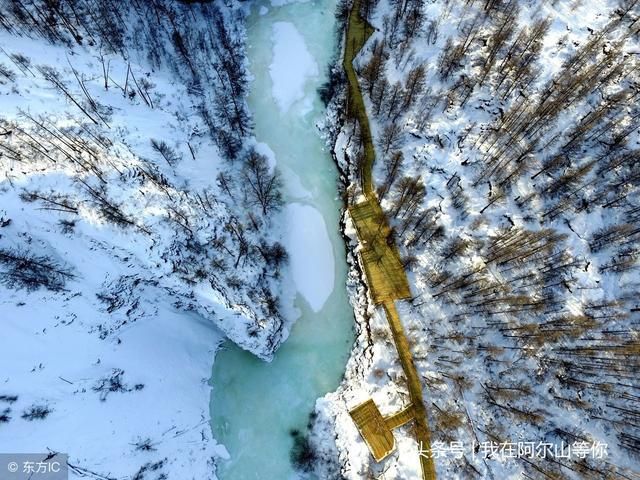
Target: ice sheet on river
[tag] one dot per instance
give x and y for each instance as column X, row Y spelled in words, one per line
column 311, row 254
column 291, row 67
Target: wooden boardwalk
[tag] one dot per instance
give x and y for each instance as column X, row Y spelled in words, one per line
column 380, row 257
column 358, row 32
column 423, row 434
column 401, row 418
column 386, row 277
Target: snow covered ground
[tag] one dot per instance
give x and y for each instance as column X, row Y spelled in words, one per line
column 126, row 255
column 538, row 346
column 119, row 405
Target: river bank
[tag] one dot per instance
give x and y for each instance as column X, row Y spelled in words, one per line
column 374, row 370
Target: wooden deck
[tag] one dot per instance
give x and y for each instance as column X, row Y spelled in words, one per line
column 376, row 430
column 380, row 257
column 373, row 429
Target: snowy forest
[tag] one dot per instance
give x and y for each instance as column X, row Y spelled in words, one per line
column 507, row 146
column 131, row 193
column 140, row 187
column 143, row 229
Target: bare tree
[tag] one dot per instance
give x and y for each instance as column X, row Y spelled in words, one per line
column 391, row 137
column 414, row 85
column 392, row 167
column 263, row 185
column 31, row 272
column 168, row 153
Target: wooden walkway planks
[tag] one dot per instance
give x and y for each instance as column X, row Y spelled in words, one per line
column 380, row 257
column 399, row 419
column 385, row 274
column 373, row 429
column 358, row 32
column 423, row 435
column 383, row 267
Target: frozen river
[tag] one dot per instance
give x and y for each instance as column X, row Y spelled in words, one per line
column 255, row 405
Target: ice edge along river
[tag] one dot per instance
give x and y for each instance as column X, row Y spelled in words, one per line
column 255, row 405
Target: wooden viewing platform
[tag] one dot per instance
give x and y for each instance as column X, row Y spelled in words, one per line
column 376, row 430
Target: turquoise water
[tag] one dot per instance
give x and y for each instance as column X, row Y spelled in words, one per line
column 255, row 404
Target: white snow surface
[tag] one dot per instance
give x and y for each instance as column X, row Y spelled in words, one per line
column 121, row 355
column 48, row 359
column 311, row 254
column 292, row 65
